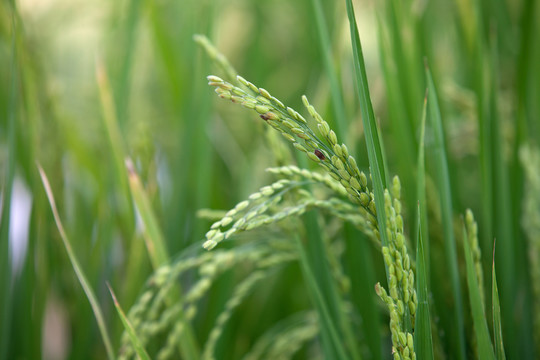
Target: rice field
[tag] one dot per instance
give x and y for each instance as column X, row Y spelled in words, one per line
column 269, row 180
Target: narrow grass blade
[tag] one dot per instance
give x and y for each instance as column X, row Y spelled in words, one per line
column 402, row 134
column 124, row 83
column 481, row 332
column 497, row 327
column 329, row 330
column 199, row 162
column 367, row 302
column 341, row 127
column 322, row 287
column 423, row 341
column 526, row 68
column 526, row 127
column 110, row 119
column 153, row 237
column 422, row 335
column 135, row 341
column 443, row 183
column 360, row 268
column 335, row 90
column 317, row 261
column 517, row 329
column 116, row 142
column 159, row 256
column 375, row 155
column 77, row 268
column 421, row 192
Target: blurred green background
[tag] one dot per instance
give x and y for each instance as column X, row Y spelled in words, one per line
column 194, row 152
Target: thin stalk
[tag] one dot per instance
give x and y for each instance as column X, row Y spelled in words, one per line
column 77, row 268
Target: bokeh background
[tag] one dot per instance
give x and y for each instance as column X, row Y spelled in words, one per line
column 59, row 60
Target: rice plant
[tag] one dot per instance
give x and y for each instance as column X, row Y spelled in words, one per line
column 365, row 184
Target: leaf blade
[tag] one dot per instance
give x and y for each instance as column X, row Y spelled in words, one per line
column 135, row 341
column 483, row 340
column 96, row 308
column 497, row 327
column 375, row 155
column 443, row 183
column 423, row 341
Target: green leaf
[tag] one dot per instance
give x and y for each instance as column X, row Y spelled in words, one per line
column 135, row 341
column 123, row 85
column 77, row 268
column 443, row 183
column 326, row 50
column 497, row 328
column 159, row 255
column 423, row 342
column 421, row 190
column 116, row 141
column 153, row 237
column 341, row 127
column 376, row 160
column 359, row 264
column 332, row 342
column 483, row 340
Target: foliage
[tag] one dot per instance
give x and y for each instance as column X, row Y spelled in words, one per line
column 141, row 218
